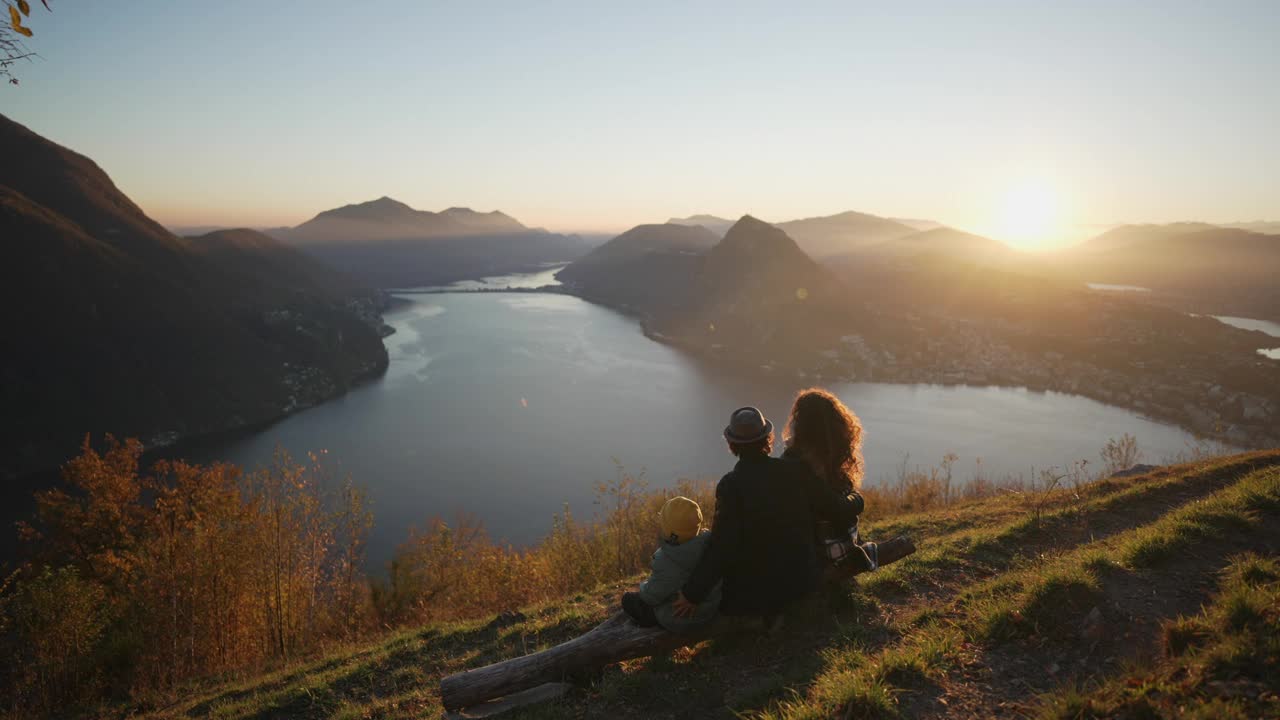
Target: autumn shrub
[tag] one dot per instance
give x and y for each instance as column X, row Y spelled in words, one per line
column 139, row 582
column 454, row 570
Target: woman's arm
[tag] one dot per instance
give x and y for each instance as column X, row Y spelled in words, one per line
column 840, row 508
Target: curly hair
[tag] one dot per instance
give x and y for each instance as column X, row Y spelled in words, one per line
column 828, row 435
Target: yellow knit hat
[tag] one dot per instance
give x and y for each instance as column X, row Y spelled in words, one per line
column 681, row 520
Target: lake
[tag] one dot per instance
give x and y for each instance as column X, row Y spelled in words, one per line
column 510, row 405
column 1108, row 287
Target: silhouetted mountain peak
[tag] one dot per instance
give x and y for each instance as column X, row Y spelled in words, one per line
column 618, row 256
column 756, row 259
column 384, row 208
column 754, row 238
column 494, row 219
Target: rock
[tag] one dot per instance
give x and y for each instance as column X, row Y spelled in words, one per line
column 1093, row 628
column 1135, row 470
column 1254, row 408
column 506, row 618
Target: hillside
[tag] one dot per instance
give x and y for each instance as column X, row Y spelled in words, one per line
column 945, row 244
column 753, row 298
column 116, row 325
column 638, row 242
column 648, row 269
column 1193, row 266
column 388, row 219
column 386, row 243
column 829, row 235
column 844, row 233
column 1153, row 595
column 715, row 224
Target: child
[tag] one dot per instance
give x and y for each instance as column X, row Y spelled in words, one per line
column 683, row 542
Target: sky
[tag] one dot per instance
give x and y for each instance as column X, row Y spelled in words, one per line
column 1021, row 120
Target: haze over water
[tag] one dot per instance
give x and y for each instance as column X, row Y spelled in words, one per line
column 510, row 405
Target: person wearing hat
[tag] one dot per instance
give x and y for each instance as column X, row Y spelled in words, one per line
column 760, row 550
column 682, row 544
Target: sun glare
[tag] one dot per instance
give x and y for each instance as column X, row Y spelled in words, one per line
column 1029, row 216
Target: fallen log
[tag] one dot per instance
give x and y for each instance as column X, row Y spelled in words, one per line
column 613, row 640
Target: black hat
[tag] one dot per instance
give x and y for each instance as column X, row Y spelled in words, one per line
column 747, row 425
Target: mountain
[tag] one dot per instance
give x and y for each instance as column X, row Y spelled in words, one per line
column 388, row 219
column 717, row 225
column 639, row 241
column 647, row 269
column 1139, row 235
column 386, row 243
column 1195, row 266
column 116, row 325
column 919, row 224
column 827, row 235
column 843, row 233
column 756, row 259
column 1267, row 227
column 949, row 244
column 752, row 297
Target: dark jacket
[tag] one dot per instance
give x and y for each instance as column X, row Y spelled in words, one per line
column 825, row 530
column 762, row 543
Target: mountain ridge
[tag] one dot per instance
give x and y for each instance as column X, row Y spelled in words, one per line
column 386, row 243
column 120, row 326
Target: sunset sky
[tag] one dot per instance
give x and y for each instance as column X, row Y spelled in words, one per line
column 1021, row 120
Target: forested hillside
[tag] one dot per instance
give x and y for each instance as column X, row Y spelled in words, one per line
column 114, row 324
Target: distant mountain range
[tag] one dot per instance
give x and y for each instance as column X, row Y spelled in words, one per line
column 829, row 235
column 717, row 225
column 116, row 325
column 1196, row 266
column 844, row 233
column 387, row 219
column 386, row 243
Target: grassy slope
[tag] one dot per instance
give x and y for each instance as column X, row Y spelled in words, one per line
column 1148, row 596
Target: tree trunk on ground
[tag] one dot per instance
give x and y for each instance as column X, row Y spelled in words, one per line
column 613, row 640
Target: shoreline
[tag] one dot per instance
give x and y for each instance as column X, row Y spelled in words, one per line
column 172, row 444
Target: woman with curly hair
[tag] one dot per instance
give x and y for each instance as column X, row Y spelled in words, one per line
column 827, row 436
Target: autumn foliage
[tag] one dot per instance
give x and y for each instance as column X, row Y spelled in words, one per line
column 143, row 581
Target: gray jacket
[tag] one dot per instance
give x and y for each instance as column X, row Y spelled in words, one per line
column 672, row 565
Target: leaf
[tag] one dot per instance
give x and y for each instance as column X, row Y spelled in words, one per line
column 16, row 21
column 25, row 7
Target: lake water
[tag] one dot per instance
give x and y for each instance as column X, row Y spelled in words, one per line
column 541, row 278
column 510, row 405
column 1117, row 288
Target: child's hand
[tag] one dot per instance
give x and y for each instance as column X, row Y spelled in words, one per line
column 682, row 607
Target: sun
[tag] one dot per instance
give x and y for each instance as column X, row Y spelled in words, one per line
column 1029, row 216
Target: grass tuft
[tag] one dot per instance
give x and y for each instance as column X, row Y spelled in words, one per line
column 1183, row 634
